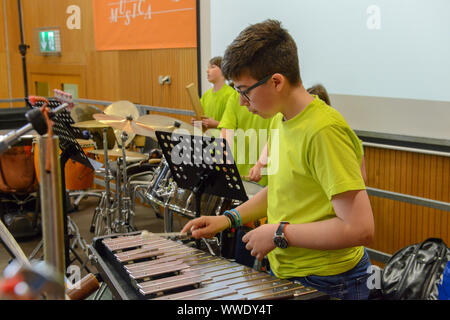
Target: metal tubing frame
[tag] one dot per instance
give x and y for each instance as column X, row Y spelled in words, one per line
column 52, row 209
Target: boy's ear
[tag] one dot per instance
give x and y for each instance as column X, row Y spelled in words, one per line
column 279, row 81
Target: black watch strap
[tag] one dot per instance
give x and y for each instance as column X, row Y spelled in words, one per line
column 280, row 229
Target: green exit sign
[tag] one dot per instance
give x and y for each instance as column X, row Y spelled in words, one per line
column 49, row 42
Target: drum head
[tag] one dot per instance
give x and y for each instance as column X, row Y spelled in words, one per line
column 251, row 188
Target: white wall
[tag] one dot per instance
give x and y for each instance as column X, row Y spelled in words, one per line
column 394, row 49
column 205, row 41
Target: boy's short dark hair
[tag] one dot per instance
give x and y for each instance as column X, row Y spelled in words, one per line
column 216, row 61
column 320, row 91
column 263, row 49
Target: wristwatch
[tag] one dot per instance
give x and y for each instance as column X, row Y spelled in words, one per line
column 279, row 239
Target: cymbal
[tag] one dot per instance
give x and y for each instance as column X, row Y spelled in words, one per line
column 118, row 153
column 91, row 124
column 163, row 123
column 123, row 109
column 82, row 112
column 125, row 124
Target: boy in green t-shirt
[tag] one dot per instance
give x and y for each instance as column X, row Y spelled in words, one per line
column 215, row 99
column 319, row 213
column 256, row 172
column 246, row 132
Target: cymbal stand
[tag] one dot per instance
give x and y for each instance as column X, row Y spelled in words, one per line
column 104, row 212
column 125, row 214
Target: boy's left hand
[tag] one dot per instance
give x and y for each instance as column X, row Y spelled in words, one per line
column 260, row 240
column 209, row 123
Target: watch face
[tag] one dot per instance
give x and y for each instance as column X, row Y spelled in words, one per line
column 280, row 242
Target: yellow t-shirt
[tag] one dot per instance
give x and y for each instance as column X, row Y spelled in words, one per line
column 319, row 157
column 214, row 103
column 248, row 143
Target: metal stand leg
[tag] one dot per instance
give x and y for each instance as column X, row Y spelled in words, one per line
column 100, row 292
column 80, row 195
column 78, row 258
column 78, row 240
column 36, row 250
column 168, row 220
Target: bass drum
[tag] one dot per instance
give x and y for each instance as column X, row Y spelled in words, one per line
column 17, row 172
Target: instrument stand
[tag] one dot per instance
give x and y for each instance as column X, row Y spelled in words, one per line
column 104, row 209
column 71, row 149
column 126, row 215
column 203, row 165
column 104, row 220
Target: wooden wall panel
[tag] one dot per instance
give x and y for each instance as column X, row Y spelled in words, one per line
column 16, row 69
column 399, row 224
column 4, row 83
column 107, row 75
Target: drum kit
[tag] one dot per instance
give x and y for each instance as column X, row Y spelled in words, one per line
column 138, row 175
column 134, row 174
column 115, row 211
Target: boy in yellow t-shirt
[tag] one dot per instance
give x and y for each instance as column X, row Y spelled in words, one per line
column 215, row 99
column 319, row 213
column 247, row 133
column 319, row 90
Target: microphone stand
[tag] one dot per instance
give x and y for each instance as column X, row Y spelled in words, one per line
column 23, row 49
column 37, row 122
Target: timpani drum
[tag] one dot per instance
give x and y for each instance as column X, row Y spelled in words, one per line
column 77, row 175
column 17, row 172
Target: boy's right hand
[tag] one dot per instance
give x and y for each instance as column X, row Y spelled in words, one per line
column 255, row 173
column 206, row 226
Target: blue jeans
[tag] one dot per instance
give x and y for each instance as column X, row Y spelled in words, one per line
column 350, row 285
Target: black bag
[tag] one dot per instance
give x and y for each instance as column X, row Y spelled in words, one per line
column 414, row 272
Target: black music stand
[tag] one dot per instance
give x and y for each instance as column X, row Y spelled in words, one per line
column 71, row 149
column 202, row 164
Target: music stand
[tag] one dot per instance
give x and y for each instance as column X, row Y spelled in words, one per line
column 71, row 149
column 202, row 164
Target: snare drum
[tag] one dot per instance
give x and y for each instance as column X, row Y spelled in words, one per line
column 17, row 174
column 77, row 175
column 251, row 188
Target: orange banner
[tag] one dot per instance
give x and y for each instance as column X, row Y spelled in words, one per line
column 145, row 24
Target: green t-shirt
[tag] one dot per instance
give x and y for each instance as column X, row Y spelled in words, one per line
column 319, row 157
column 214, row 103
column 248, row 144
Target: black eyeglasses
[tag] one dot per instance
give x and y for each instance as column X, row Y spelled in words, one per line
column 247, row 91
